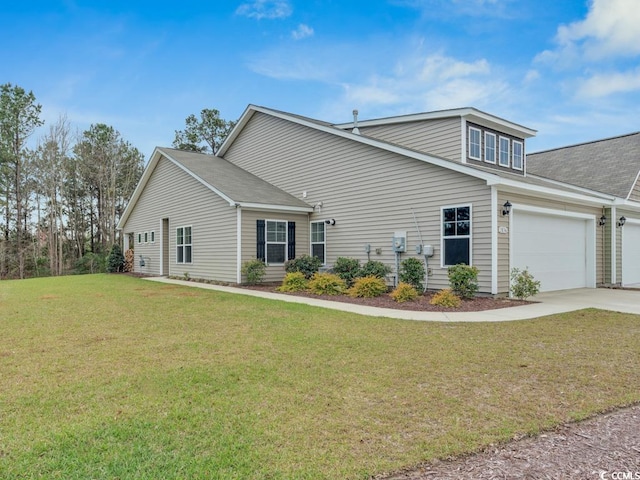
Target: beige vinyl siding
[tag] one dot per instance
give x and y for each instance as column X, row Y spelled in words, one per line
column 171, row 193
column 628, row 214
column 437, row 137
column 274, row 273
column 635, row 192
column 503, row 239
column 369, row 192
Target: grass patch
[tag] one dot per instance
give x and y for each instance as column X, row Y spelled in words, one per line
column 109, row 376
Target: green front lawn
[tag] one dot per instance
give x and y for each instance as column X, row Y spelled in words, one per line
column 109, row 376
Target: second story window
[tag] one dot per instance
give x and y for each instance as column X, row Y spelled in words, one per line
column 517, row 161
column 504, row 152
column 474, row 143
column 489, row 147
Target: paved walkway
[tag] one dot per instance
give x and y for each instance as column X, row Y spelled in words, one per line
column 627, row 301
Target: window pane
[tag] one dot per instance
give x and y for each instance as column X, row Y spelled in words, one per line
column 504, row 151
column 474, row 143
column 463, row 213
column 179, row 237
column 449, row 214
column 449, row 229
column 180, row 255
column 187, row 254
column 275, row 253
column 464, row 228
column 317, row 232
column 317, row 250
column 456, row 250
column 490, row 148
column 187, row 235
column 282, row 231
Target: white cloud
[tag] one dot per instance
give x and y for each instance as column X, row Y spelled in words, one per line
column 269, row 9
column 303, row 31
column 610, row 29
column 605, row 84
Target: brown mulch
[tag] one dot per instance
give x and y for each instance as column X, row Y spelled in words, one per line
column 606, row 446
column 422, row 304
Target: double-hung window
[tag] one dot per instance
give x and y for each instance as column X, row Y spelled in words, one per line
column 489, row 147
column 318, row 241
column 276, row 241
column 504, row 152
column 475, row 143
column 184, row 245
column 517, row 158
column 456, row 235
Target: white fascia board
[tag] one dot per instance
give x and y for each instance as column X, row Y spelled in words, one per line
column 547, row 192
column 630, row 204
column 284, row 208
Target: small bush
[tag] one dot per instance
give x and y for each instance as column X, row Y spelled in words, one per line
column 327, row 284
column 404, row 292
column 115, row 260
column 294, row 282
column 254, row 270
column 368, row 287
column 463, row 280
column 412, row 272
column 446, row 298
column 347, row 269
column 91, row 263
column 374, row 268
column 306, row 264
column 523, row 284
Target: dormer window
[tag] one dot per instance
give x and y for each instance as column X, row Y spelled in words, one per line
column 504, row 152
column 489, row 147
column 517, row 160
column 475, row 149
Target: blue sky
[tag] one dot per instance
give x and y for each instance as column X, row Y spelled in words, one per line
column 569, row 69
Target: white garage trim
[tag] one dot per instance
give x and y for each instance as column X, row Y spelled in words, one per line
column 590, row 239
column 630, row 253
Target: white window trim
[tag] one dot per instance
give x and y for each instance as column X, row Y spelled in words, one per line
column 152, row 236
column 324, row 242
column 474, row 129
column 486, row 158
column 139, row 238
column 267, row 242
column 500, row 162
column 184, row 245
column 442, row 236
column 513, row 158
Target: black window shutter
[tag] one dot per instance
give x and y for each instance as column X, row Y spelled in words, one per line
column 291, row 237
column 260, row 240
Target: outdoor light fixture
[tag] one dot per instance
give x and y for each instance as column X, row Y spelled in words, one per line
column 506, row 208
column 603, row 221
column 622, row 221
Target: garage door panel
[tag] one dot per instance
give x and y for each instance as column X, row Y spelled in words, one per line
column 631, row 254
column 553, row 249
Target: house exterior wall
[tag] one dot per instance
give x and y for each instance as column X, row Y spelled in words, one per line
column 630, row 216
column 274, row 273
column 369, row 192
column 635, row 192
column 503, row 239
column 171, row 193
column 437, row 137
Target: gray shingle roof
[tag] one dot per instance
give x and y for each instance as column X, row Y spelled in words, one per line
column 236, row 183
column 610, row 165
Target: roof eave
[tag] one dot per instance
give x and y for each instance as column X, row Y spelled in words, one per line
column 263, row 206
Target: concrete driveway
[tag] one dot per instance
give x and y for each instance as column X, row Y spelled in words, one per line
column 627, row 301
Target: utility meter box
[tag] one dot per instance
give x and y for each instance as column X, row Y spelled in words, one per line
column 428, row 250
column 399, row 242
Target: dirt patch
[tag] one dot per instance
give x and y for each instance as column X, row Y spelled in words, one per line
column 422, row 304
column 606, row 446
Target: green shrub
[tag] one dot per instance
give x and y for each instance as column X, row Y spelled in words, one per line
column 327, row 284
column 254, row 270
column 306, row 264
column 115, row 260
column 523, row 284
column 91, row 263
column 412, row 272
column 347, row 269
column 374, row 268
column 368, row 287
column 446, row 298
column 294, row 282
column 404, row 292
column 463, row 280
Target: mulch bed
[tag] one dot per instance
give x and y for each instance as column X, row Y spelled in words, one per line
column 422, row 304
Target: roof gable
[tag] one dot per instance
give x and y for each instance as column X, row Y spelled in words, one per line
column 610, row 165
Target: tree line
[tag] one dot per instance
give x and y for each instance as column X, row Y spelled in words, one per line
column 61, row 200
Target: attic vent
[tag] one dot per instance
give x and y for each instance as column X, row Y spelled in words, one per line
column 355, row 123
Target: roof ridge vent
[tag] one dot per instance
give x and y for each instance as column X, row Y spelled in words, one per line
column 355, row 130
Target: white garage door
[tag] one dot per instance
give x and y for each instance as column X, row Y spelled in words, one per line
column 553, row 248
column 630, row 254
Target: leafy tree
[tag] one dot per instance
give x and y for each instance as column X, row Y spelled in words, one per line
column 204, row 135
column 115, row 260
